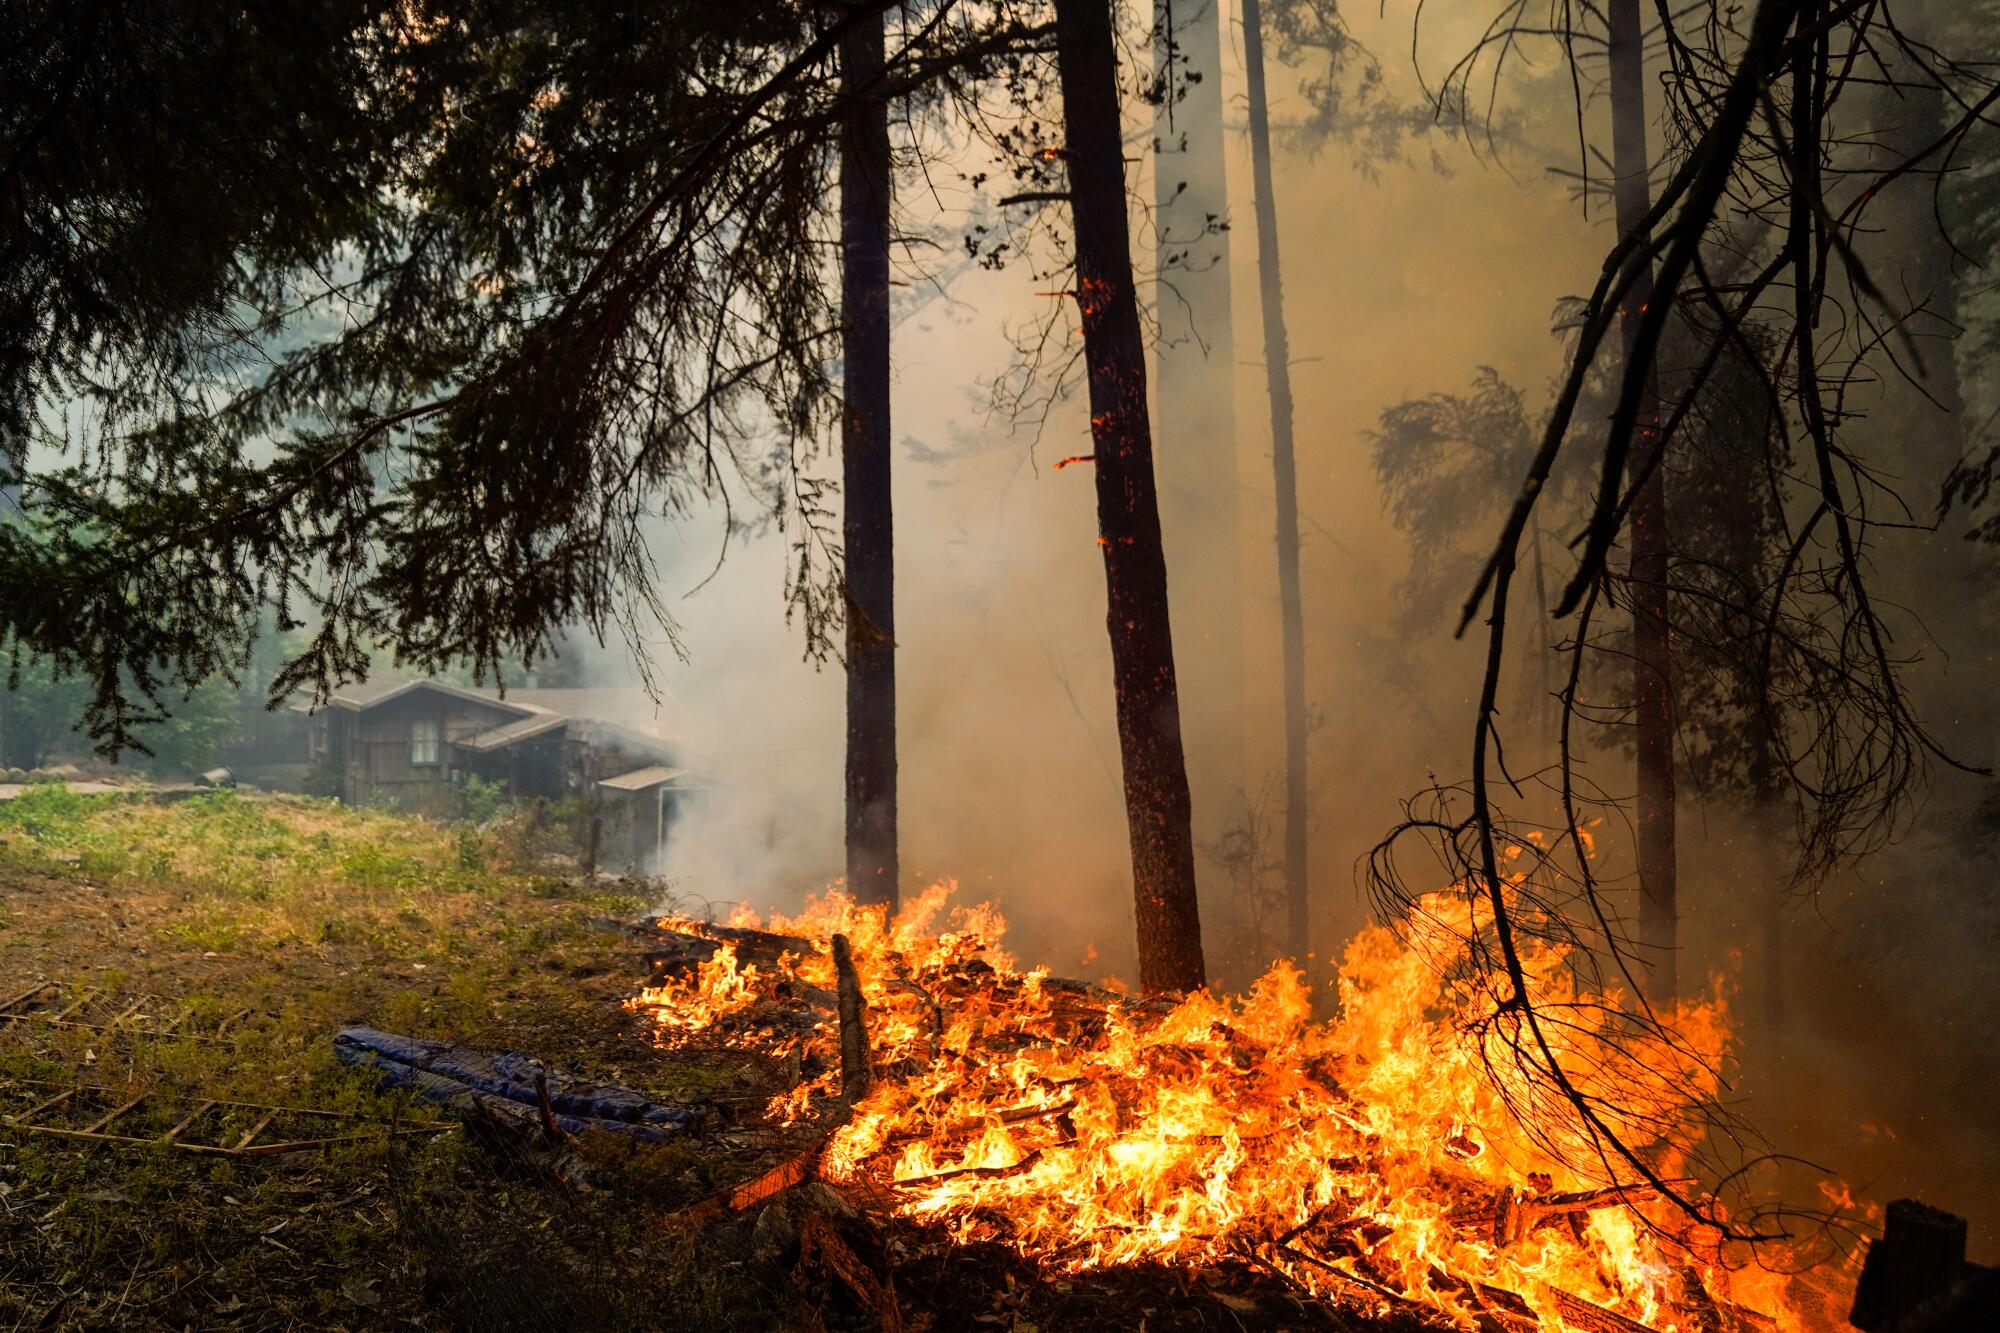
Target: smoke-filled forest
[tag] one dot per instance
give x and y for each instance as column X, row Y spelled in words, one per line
column 933, row 664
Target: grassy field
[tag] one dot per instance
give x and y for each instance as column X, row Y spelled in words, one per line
column 272, row 921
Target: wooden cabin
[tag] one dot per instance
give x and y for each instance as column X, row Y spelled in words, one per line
column 410, row 742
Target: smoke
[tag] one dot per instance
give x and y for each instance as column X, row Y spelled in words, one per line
column 1400, row 281
column 1009, row 765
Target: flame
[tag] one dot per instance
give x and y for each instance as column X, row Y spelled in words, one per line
column 1396, row 1154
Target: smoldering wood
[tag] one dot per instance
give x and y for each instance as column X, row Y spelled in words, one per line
column 593, row 830
column 793, row 1170
column 1916, row 1276
column 854, row 1073
column 821, row 1245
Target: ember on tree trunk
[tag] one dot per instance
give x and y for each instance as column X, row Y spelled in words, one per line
column 1128, row 513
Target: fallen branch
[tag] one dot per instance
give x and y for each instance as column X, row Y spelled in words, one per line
column 821, row 1245
column 1015, row 1115
column 970, row 1173
column 794, row 1170
column 1353, row 1286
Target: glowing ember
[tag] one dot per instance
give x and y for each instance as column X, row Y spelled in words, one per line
column 1393, row 1155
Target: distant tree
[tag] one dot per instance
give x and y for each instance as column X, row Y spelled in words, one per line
column 1655, row 806
column 39, row 711
column 1441, row 459
column 1200, row 472
column 42, row 716
column 193, row 729
column 1347, row 99
column 1285, row 487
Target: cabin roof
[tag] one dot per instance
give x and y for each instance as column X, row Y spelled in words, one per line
column 513, row 733
column 361, row 696
column 588, row 709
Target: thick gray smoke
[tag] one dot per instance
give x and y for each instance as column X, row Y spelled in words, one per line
column 1401, row 281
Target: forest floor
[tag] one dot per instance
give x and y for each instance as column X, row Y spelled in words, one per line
column 254, row 927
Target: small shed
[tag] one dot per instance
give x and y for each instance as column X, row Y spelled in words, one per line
column 640, row 809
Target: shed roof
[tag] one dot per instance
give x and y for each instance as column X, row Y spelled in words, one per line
column 641, row 779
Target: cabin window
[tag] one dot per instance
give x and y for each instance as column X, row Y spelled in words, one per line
column 424, row 741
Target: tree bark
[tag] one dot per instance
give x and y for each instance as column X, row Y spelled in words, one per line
column 1284, row 471
column 1652, row 653
column 1196, row 393
column 868, row 530
column 1128, row 513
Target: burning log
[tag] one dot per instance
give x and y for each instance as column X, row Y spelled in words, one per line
column 909, row 986
column 1351, row 1287
column 1588, row 1317
column 794, row 1170
column 676, row 948
column 1500, row 1310
column 1694, row 1295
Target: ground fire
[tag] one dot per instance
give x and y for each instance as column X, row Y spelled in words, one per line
column 1372, row 1160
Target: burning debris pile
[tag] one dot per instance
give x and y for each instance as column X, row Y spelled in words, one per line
column 1378, row 1161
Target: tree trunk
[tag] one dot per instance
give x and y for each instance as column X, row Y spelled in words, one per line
column 1284, row 470
column 868, row 524
column 1196, row 393
column 1128, row 513
column 1652, row 655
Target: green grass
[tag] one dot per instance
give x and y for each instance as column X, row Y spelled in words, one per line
column 289, row 917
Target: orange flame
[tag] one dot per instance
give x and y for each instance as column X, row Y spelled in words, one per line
column 1394, row 1154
